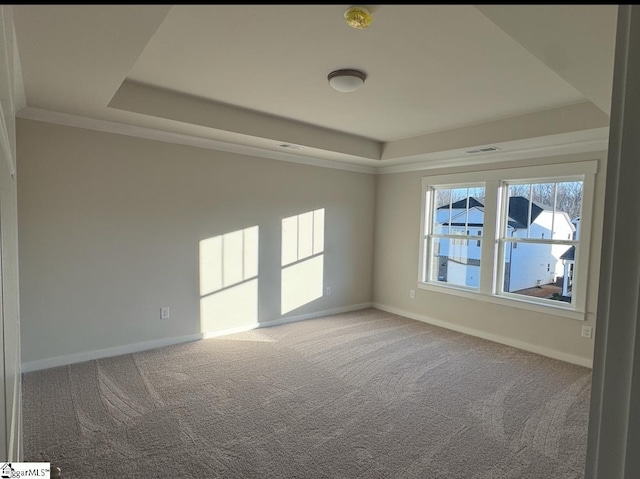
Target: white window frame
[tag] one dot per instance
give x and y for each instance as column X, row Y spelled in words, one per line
column 449, row 236
column 491, row 271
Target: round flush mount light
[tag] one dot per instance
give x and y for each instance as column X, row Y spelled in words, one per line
column 346, row 80
column 358, row 17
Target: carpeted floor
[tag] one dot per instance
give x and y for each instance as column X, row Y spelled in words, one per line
column 358, row 395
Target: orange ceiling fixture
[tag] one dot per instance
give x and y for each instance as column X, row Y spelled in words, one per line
column 358, row 17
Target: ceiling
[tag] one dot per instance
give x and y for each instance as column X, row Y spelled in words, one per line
column 442, row 79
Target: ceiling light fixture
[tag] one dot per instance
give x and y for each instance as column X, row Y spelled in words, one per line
column 358, row 17
column 346, row 80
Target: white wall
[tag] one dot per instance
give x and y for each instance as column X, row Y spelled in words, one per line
column 398, row 211
column 110, row 230
column 11, row 100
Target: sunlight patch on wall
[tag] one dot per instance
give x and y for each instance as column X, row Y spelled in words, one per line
column 302, row 277
column 302, row 283
column 229, row 280
column 230, row 308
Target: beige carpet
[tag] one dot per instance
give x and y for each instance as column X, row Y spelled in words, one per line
column 358, row 395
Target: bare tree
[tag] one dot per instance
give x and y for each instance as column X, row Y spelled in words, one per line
column 448, row 196
column 566, row 196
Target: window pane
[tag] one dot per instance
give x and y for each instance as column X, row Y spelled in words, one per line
column 442, row 211
column 551, row 215
column 458, row 210
column 544, row 194
column 454, row 261
column 518, row 212
column 569, row 200
column 539, row 270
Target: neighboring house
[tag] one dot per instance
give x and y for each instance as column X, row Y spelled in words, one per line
column 459, row 259
column 526, row 264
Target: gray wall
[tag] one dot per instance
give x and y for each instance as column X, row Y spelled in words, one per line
column 398, row 210
column 110, row 227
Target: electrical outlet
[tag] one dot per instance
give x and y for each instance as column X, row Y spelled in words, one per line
column 164, row 312
column 412, row 294
column 328, row 291
column 586, row 332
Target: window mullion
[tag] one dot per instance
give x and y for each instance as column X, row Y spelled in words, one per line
column 555, row 201
column 425, row 231
column 489, row 236
column 529, row 213
column 466, row 217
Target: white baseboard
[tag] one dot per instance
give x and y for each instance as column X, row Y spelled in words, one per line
column 105, row 353
column 551, row 353
column 288, row 319
column 158, row 343
column 319, row 314
column 143, row 346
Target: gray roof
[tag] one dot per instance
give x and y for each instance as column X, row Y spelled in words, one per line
column 570, row 254
column 518, row 209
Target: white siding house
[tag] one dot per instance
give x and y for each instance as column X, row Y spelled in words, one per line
column 459, row 259
column 526, row 265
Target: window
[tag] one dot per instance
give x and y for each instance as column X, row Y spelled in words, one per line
column 536, row 211
column 452, row 259
column 533, row 221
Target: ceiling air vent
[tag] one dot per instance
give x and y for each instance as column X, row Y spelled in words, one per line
column 288, row 146
column 486, row 149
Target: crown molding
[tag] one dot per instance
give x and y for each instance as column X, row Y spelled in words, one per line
column 553, row 145
column 595, row 140
column 65, row 119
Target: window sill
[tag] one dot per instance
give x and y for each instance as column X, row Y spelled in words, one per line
column 506, row 301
